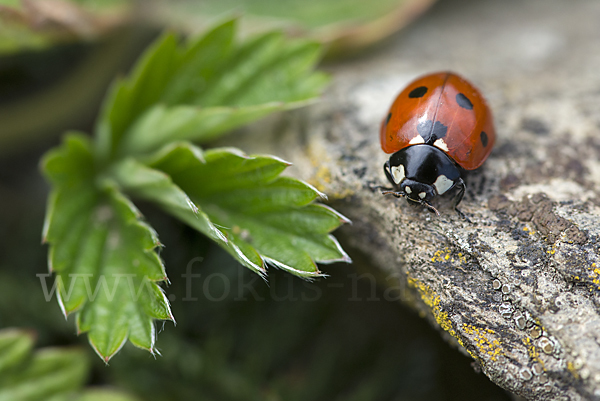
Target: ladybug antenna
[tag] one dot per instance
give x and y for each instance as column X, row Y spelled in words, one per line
column 396, row 194
column 430, row 207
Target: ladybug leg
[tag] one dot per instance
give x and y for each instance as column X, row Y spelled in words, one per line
column 459, row 196
column 464, row 216
column 461, row 192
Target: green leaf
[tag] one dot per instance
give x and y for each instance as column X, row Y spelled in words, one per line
column 259, row 211
column 103, row 254
column 203, row 58
column 15, row 345
column 264, row 69
column 49, row 374
column 345, row 26
column 309, row 13
column 45, row 374
column 129, row 98
column 154, row 185
column 205, row 88
column 105, row 395
column 162, row 124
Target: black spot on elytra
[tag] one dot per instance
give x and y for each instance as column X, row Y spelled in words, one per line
column 431, row 132
column 464, row 101
column 418, row 92
column 484, row 138
column 388, row 118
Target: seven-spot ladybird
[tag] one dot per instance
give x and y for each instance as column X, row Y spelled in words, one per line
column 438, row 126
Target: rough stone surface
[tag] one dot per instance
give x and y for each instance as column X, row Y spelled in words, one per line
column 519, row 287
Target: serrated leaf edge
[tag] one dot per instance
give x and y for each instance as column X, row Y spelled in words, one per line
column 300, row 273
column 50, row 208
column 320, row 194
column 343, row 219
column 107, row 358
column 260, row 270
column 345, row 258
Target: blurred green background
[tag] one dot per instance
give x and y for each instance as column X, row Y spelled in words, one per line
column 283, row 340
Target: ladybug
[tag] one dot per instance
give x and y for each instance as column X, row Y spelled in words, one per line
column 438, row 127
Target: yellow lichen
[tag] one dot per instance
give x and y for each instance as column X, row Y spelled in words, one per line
column 432, row 300
column 486, row 346
column 595, row 275
column 483, row 338
column 571, row 368
column 322, row 179
column 532, row 351
column 445, row 255
column 322, row 176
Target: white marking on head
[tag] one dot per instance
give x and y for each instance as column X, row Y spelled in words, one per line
column 398, row 173
column 441, row 144
column 422, row 195
column 408, row 190
column 442, row 184
column 417, row 140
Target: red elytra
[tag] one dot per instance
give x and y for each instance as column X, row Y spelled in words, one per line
column 446, row 111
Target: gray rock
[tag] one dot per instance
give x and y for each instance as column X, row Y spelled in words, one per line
column 518, row 288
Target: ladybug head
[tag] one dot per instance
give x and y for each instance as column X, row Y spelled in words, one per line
column 420, row 173
column 417, row 191
column 414, row 191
